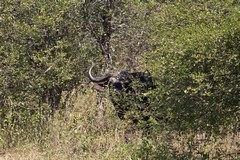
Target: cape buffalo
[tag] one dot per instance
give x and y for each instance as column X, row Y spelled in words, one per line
column 128, row 92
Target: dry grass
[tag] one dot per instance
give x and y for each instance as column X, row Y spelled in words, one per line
column 218, row 147
column 25, row 152
column 85, row 133
column 82, row 134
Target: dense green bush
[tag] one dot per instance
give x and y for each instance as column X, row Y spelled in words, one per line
column 43, row 53
column 196, row 62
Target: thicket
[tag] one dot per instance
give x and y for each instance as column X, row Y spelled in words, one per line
column 44, row 53
column 190, row 47
column 196, row 62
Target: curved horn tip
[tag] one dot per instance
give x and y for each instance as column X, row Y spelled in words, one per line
column 97, row 79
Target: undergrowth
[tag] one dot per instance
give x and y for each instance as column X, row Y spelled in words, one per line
column 79, row 133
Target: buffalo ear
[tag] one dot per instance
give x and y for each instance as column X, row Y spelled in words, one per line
column 98, row 87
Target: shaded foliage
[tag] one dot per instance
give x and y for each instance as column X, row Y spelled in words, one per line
column 197, row 62
column 42, row 52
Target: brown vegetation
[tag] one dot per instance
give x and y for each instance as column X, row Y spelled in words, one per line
column 78, row 134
